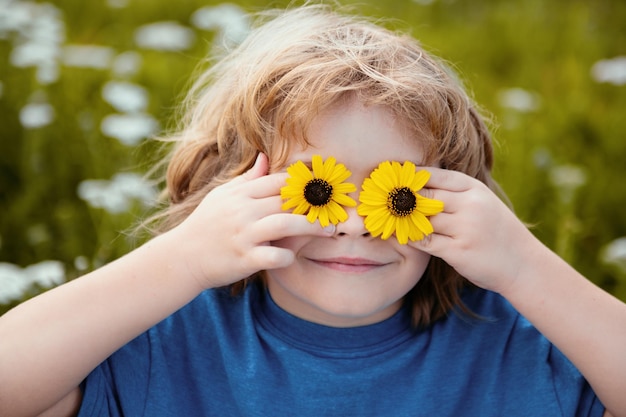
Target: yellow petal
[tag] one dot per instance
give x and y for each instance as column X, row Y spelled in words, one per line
column 365, row 209
column 422, row 223
column 291, row 192
column 420, row 180
column 383, row 176
column 407, row 173
column 429, row 206
column 396, row 168
column 329, row 168
column 337, row 212
column 302, row 208
column 375, row 199
column 323, row 216
column 344, row 188
column 375, row 225
column 402, row 230
column 338, row 175
column 371, row 187
column 299, row 171
column 318, row 166
column 297, row 183
column 344, row 200
column 291, row 203
column 389, row 228
column 313, row 214
column 377, row 218
column 415, row 234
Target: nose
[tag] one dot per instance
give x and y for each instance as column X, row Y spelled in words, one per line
column 353, row 227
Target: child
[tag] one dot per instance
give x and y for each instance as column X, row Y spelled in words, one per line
column 298, row 271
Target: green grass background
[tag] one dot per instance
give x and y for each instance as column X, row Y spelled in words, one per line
column 546, row 48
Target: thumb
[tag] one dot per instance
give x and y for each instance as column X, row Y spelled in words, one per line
column 260, row 167
column 427, row 244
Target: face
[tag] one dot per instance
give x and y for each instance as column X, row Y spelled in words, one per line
column 351, row 278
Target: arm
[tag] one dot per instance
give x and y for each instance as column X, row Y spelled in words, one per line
column 587, row 324
column 50, row 344
column 485, row 242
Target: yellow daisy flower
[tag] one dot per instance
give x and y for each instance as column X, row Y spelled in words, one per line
column 319, row 194
column 390, row 202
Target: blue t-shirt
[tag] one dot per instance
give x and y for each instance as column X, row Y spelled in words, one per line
column 245, row 356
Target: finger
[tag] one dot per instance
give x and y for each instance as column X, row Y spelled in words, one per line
column 260, row 167
column 263, row 207
column 445, row 179
column 265, row 186
column 282, row 225
column 259, row 187
column 252, row 173
column 433, row 244
column 450, row 198
column 443, row 224
column 268, row 205
column 269, row 257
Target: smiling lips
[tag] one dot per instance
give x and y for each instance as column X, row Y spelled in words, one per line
column 344, row 264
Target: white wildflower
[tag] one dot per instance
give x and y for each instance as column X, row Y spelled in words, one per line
column 15, row 282
column 118, row 194
column 88, row 56
column 129, row 129
column 611, row 71
column 126, row 64
column 614, row 253
column 568, row 176
column 164, row 36
column 36, row 115
column 117, row 4
column 40, row 33
column 46, row 274
column 125, row 96
column 229, row 20
column 81, row 263
column 519, row 99
column 567, row 179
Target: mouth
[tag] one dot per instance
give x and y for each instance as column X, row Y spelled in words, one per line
column 346, row 264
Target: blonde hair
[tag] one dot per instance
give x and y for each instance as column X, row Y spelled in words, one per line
column 262, row 96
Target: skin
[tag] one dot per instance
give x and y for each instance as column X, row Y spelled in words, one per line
column 351, row 278
column 42, row 365
column 583, row 321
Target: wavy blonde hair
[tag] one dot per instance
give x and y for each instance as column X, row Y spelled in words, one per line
column 262, row 96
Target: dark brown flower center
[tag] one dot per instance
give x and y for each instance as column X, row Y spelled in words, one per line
column 401, row 201
column 318, row 192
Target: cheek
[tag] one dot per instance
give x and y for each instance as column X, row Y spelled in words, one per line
column 416, row 260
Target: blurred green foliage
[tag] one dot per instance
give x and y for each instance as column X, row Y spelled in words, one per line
column 528, row 62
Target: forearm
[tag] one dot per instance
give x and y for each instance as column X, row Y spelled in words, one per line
column 485, row 242
column 587, row 324
column 50, row 343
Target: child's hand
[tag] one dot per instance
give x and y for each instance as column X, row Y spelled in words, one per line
column 227, row 237
column 477, row 233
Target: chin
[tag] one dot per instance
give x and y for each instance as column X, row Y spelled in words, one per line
column 349, row 312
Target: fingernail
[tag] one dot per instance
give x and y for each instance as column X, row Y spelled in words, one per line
column 330, row 229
